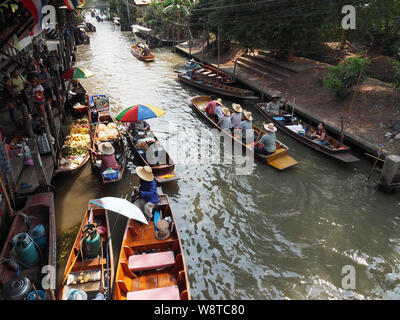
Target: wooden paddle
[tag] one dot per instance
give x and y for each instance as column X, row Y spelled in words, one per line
column 37, row 294
column 376, row 162
column 102, row 290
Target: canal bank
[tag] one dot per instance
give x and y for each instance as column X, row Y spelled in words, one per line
column 262, row 83
column 268, row 235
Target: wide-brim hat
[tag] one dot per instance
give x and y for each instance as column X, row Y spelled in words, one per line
column 226, row 111
column 192, row 60
column 219, row 101
column 248, row 115
column 106, row 148
column 163, row 231
column 145, row 173
column 275, row 96
column 270, row 127
column 237, row 107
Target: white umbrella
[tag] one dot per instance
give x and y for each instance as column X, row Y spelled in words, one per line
column 121, row 206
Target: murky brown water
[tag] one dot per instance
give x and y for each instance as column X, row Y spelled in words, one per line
column 269, row 235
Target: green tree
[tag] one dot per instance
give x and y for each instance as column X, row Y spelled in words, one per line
column 343, row 77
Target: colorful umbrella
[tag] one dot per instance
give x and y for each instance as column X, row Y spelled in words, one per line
column 77, row 73
column 140, row 112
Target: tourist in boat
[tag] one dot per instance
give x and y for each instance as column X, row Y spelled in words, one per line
column 146, row 51
column 210, row 108
column 266, row 145
column 218, row 113
column 225, row 122
column 236, row 116
column 193, row 64
column 148, row 197
column 246, row 125
column 319, row 136
column 273, row 107
column 107, row 156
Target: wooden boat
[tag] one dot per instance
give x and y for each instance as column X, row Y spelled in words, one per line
column 39, row 209
column 137, row 53
column 162, row 274
column 100, row 272
column 280, row 159
column 218, row 88
column 210, row 73
column 71, row 167
column 98, row 103
column 333, row 148
column 164, row 172
column 118, row 144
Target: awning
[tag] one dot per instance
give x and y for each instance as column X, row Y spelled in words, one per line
column 137, row 27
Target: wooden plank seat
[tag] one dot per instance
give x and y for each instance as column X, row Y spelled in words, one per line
column 151, row 261
column 207, row 72
column 212, row 75
column 163, row 293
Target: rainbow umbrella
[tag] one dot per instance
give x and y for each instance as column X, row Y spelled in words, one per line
column 140, row 112
column 77, row 73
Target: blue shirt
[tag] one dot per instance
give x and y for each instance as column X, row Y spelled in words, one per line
column 148, row 191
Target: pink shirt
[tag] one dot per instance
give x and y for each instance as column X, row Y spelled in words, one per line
column 211, row 107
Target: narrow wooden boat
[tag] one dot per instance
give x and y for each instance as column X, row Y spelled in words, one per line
column 148, row 268
column 69, row 166
column 280, row 159
column 118, row 144
column 39, row 210
column 163, row 172
column 210, row 73
column 137, row 53
column 333, row 148
column 98, row 103
column 218, row 88
column 94, row 272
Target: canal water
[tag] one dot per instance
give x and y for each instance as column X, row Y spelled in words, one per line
column 268, row 235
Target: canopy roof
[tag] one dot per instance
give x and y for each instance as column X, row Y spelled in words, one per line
column 137, row 27
column 142, row 2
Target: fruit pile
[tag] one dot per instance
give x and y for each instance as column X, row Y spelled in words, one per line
column 78, row 142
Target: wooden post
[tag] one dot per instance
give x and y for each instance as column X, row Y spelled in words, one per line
column 52, row 124
column 234, row 70
column 64, row 67
column 48, row 134
column 28, row 120
column 219, row 53
column 60, row 106
column 5, row 193
column 37, row 162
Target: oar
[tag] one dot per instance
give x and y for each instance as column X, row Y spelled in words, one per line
column 102, row 290
column 376, row 162
column 37, row 294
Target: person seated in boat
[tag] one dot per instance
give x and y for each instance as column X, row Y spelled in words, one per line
column 246, row 126
column 193, row 64
column 189, row 73
column 76, row 94
column 107, row 156
column 236, row 116
column 137, row 126
column 147, row 193
column 210, row 108
column 218, row 113
column 225, row 122
column 273, row 107
column 146, row 51
column 266, row 145
column 319, row 136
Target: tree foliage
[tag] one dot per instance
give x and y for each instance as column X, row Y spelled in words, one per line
column 343, row 77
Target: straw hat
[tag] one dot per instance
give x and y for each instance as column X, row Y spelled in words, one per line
column 270, row 127
column 275, row 96
column 237, row 107
column 219, row 101
column 106, row 148
column 145, row 173
column 248, row 115
column 192, row 60
column 163, row 231
column 226, row 111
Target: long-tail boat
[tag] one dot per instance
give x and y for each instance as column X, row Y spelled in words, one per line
column 38, row 214
column 291, row 126
column 280, row 159
column 163, row 166
column 148, row 268
column 90, row 268
column 218, row 88
column 138, row 54
column 105, row 118
column 213, row 74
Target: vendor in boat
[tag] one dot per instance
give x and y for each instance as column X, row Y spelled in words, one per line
column 146, row 51
column 319, row 136
column 147, row 192
column 193, row 64
column 273, row 107
column 266, row 145
column 76, row 94
column 225, row 122
column 210, row 108
column 139, row 126
column 236, row 116
column 246, row 126
column 106, row 156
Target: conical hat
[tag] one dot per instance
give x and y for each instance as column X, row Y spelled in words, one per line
column 145, row 173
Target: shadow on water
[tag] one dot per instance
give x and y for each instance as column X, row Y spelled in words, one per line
column 268, row 235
